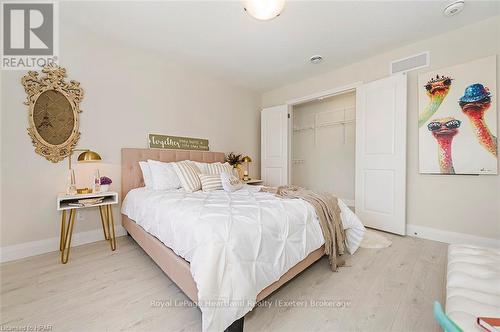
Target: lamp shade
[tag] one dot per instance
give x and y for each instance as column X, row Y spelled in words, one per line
column 246, row 159
column 264, row 9
column 88, row 157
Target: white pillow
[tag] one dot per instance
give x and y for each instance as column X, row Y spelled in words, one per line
column 201, row 166
column 188, row 175
column 230, row 182
column 218, row 168
column 146, row 174
column 353, row 226
column 164, row 176
column 210, row 182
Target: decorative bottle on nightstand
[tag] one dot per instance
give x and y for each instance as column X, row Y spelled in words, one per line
column 71, row 189
column 97, row 182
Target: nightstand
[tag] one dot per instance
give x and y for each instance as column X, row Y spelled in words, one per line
column 254, row 182
column 70, row 203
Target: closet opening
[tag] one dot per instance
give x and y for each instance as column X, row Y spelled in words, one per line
column 322, row 144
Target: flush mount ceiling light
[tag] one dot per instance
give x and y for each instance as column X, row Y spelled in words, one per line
column 454, row 8
column 264, row 9
column 315, row 59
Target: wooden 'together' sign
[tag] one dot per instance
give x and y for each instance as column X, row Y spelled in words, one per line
column 157, row 141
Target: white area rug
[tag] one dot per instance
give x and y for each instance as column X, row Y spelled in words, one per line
column 374, row 240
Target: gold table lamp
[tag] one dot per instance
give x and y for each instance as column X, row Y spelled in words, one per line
column 85, row 157
column 246, row 160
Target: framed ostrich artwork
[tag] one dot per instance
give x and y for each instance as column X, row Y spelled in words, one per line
column 457, row 119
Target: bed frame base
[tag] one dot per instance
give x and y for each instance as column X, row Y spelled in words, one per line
column 178, row 269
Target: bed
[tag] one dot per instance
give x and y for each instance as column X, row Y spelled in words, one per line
column 224, row 251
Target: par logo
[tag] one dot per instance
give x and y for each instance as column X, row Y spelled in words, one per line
column 30, row 38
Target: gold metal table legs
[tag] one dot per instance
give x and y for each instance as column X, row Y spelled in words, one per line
column 108, row 225
column 103, row 211
column 108, row 228
column 66, row 234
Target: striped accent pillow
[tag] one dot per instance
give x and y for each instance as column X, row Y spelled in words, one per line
column 210, row 182
column 218, row 168
column 201, row 166
column 188, row 175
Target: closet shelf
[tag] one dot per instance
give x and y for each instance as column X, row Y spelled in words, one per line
column 325, row 124
column 340, row 109
column 347, row 119
column 304, row 128
column 335, row 123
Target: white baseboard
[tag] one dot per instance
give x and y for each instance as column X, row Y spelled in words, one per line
column 451, row 237
column 33, row 248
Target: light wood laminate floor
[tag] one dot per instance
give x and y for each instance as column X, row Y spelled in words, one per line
column 390, row 289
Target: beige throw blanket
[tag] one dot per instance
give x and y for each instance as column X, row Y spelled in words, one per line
column 328, row 212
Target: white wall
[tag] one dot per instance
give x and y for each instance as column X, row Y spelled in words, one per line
column 328, row 160
column 468, row 205
column 128, row 94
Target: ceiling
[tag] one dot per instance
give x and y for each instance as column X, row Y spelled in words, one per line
column 220, row 38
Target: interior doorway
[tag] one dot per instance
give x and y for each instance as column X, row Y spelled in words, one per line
column 314, row 149
column 323, row 140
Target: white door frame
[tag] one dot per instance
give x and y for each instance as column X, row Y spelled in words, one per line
column 325, row 94
column 315, row 96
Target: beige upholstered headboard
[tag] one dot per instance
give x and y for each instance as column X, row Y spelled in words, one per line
column 131, row 171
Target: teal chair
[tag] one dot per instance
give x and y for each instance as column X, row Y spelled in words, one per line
column 446, row 323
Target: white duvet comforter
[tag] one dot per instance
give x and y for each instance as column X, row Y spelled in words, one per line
column 237, row 243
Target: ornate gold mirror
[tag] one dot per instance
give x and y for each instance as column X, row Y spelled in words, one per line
column 54, row 105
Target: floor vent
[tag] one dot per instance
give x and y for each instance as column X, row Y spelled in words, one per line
column 410, row 63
